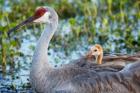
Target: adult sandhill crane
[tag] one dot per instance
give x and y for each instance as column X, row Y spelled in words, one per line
column 70, row 78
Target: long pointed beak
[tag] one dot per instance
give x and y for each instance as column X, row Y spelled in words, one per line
column 29, row 20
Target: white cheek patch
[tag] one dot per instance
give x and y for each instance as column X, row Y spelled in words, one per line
column 44, row 18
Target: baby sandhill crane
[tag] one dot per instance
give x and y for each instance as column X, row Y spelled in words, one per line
column 94, row 57
column 88, row 60
column 69, row 78
column 96, row 51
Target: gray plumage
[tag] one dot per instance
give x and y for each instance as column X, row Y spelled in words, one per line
column 74, row 79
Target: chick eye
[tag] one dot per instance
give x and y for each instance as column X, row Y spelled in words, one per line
column 95, row 50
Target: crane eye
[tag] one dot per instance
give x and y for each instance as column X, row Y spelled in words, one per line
column 50, row 16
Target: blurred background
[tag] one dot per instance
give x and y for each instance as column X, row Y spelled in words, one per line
column 115, row 24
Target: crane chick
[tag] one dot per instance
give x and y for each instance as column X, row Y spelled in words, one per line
column 96, row 51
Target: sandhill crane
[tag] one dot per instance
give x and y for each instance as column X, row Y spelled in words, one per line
column 70, row 78
column 96, row 51
column 94, row 60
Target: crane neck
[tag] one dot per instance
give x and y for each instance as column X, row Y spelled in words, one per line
column 41, row 53
column 99, row 58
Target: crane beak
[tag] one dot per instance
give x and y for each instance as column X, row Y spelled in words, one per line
column 27, row 21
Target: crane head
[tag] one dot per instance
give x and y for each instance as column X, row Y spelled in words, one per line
column 95, row 50
column 41, row 15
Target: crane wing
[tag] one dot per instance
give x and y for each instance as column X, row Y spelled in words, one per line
column 126, row 80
